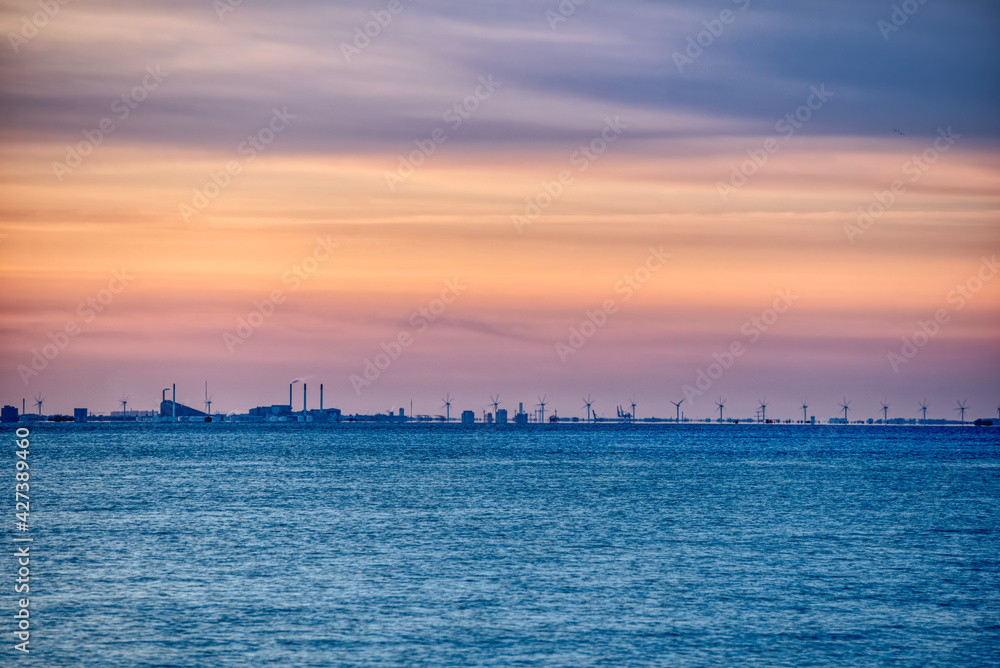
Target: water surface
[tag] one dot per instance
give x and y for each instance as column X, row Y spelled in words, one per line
column 363, row 545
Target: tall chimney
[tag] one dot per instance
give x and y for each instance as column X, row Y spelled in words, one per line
column 290, row 396
column 321, row 396
column 304, row 406
column 173, row 402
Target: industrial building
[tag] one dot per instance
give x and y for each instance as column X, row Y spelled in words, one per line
column 9, row 414
column 167, row 408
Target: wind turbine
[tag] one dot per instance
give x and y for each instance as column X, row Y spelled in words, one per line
column 805, row 411
column 677, row 404
column 39, row 402
column 763, row 408
column 923, row 407
column 496, row 402
column 587, row 403
column 961, row 407
column 632, row 400
column 721, row 403
column 846, row 405
column 541, row 405
column 123, row 400
column 885, row 413
column 208, row 400
column 447, row 405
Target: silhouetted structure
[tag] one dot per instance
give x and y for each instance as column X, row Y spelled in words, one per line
column 274, row 411
column 333, row 415
column 171, row 408
column 520, row 418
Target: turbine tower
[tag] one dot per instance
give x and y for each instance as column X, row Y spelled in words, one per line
column 587, row 403
column 496, row 402
column 123, row 400
column 632, row 401
column 846, row 405
column 541, row 406
column 805, row 411
column 208, row 400
column 39, row 402
column 677, row 405
column 721, row 403
column 923, row 407
column 885, row 413
column 763, row 409
column 447, row 406
column 961, row 407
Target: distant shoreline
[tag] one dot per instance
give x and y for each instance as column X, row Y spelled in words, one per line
column 510, row 425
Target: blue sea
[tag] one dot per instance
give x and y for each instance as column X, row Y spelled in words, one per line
column 362, row 545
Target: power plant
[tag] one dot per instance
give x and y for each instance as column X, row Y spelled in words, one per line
column 170, row 410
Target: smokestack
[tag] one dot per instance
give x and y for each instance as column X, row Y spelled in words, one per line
column 304, row 386
column 290, row 396
column 173, row 402
column 321, row 396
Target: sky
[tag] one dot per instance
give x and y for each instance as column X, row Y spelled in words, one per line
column 790, row 202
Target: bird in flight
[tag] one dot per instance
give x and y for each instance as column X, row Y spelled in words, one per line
column 898, row 132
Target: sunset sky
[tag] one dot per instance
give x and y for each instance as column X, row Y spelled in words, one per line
column 527, row 161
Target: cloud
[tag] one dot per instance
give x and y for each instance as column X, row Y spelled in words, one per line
column 225, row 76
